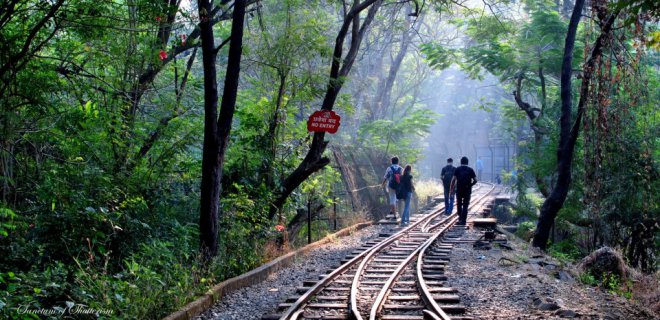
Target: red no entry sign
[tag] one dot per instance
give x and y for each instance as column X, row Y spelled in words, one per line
column 323, row 121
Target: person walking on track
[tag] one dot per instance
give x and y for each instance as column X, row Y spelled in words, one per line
column 480, row 168
column 393, row 179
column 446, row 175
column 462, row 182
column 406, row 188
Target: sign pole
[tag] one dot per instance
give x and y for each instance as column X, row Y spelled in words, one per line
column 334, row 204
column 309, row 220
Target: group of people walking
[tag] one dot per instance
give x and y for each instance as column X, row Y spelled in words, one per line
column 457, row 181
column 399, row 186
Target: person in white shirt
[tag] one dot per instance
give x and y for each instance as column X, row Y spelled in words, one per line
column 393, row 179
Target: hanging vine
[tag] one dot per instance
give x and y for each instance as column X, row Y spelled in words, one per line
column 614, row 140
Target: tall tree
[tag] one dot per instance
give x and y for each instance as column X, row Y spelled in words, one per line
column 569, row 131
column 216, row 129
column 26, row 28
column 340, row 67
column 381, row 102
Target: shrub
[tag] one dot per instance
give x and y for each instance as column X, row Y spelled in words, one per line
column 526, row 230
column 427, row 188
column 588, row 279
column 168, row 274
column 565, row 251
column 527, row 204
column 33, row 290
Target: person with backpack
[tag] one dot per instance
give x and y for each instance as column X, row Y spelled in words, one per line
column 446, row 175
column 405, row 192
column 393, row 179
column 462, row 182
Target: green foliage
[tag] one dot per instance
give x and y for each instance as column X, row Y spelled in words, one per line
column 319, row 191
column 510, row 121
column 398, row 136
column 503, row 49
column 521, row 258
column 588, row 279
column 610, row 282
column 565, row 251
column 244, row 229
column 7, row 221
column 33, row 290
column 637, row 8
column 438, row 56
column 527, row 204
column 170, row 275
column 526, row 230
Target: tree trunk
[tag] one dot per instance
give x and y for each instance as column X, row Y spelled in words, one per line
column 530, row 111
column 140, row 83
column 269, row 173
column 556, row 199
column 540, row 183
column 314, row 160
column 216, row 129
column 569, row 132
column 382, row 98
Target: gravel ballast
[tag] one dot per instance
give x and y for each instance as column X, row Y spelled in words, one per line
column 525, row 284
column 260, row 299
column 493, row 284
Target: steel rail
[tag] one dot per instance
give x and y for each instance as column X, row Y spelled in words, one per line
column 430, row 315
column 387, row 287
column 425, row 294
column 295, row 310
column 380, row 299
column 353, row 312
column 426, row 227
column 474, row 203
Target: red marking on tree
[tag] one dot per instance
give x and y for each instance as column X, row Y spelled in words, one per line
column 163, row 55
column 323, row 121
column 158, row 19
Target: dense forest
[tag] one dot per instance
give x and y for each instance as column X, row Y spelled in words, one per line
column 162, row 146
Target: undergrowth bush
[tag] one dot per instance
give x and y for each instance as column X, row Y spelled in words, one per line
column 609, row 282
column 527, row 204
column 565, row 251
column 157, row 279
column 525, row 230
column 427, row 188
column 121, row 278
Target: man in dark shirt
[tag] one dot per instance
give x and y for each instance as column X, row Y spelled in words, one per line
column 462, row 182
column 446, row 175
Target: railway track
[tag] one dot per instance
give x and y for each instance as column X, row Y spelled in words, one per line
column 397, row 276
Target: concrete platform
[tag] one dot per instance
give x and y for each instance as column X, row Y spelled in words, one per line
column 484, row 222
